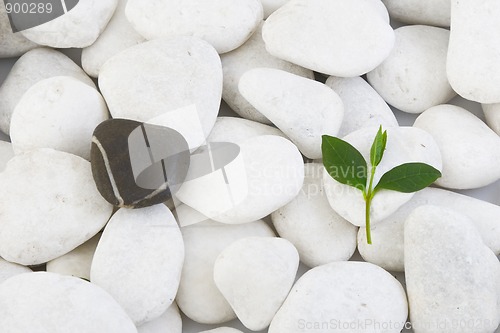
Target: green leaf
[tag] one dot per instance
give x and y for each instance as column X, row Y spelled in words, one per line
column 378, row 147
column 343, row 162
column 408, row 178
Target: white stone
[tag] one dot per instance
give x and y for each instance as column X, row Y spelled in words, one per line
column 118, row 35
column 363, row 106
column 413, row 77
column 237, row 130
column 255, row 275
column 334, row 37
column 339, row 293
column 270, row 6
column 252, row 54
column 427, row 12
column 76, row 263
column 169, row 322
column 225, row 24
column 267, row 174
column 198, row 296
column 150, row 82
column 492, row 115
column 450, row 274
column 11, row 44
column 59, row 113
column 320, row 235
column 50, row 205
column 473, row 63
column 303, row 109
column 79, row 27
column 223, row 330
column 404, row 145
column 387, row 250
column 47, row 302
column 139, row 261
column 470, row 149
column 32, row 67
column 10, row 269
column 6, row 153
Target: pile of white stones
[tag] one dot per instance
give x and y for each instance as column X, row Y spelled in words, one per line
column 144, row 267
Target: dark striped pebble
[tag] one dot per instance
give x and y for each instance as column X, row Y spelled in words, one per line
column 136, row 164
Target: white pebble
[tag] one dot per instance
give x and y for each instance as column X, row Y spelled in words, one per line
column 59, row 113
column 149, row 83
column 139, row 261
column 451, row 275
column 255, row 275
column 267, row 174
column 79, row 27
column 252, row 54
column 363, row 106
column 225, row 24
column 11, row 44
column 428, row 12
column 334, row 37
column 6, row 153
column 50, row 205
column 236, row 130
column 413, row 77
column 303, row 109
column 32, row 67
column 222, row 330
column 339, row 294
column 169, row 322
column 473, row 63
column 404, row 145
column 76, row 263
column 118, row 35
column 470, row 149
column 198, row 296
column 317, row 231
column 47, row 302
column 10, row 269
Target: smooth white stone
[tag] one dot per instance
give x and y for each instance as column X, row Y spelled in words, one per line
column 76, row 263
column 118, row 35
column 270, row 6
column 47, row 302
column 320, row 235
column 79, row 27
column 11, row 44
column 303, row 109
column 32, row 67
column 334, row 37
column 492, row 115
column 198, row 296
column 225, row 24
column 428, row 12
column 470, row 149
column 387, row 250
column 252, row 54
column 139, row 261
column 169, row 322
column 451, row 275
column 6, row 154
column 473, row 63
column 237, row 130
column 59, row 113
column 363, row 106
column 267, row 174
column 223, row 330
column 413, row 77
column 404, row 145
column 10, row 269
column 255, row 275
column 149, row 83
column 336, row 294
column 50, row 205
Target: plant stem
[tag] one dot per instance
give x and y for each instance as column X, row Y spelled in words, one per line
column 368, row 203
